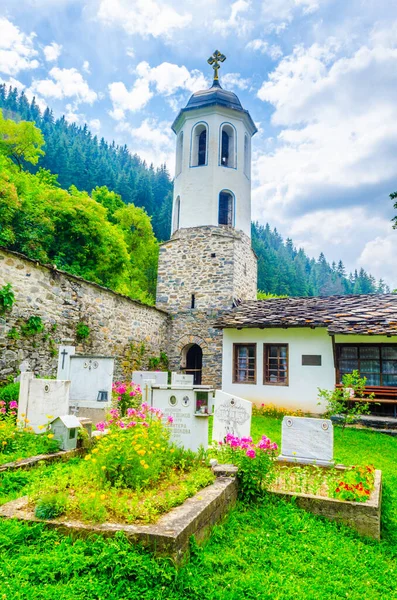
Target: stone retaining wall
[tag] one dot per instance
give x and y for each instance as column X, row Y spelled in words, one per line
column 119, row 327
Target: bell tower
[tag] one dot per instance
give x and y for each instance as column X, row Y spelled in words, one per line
column 208, row 263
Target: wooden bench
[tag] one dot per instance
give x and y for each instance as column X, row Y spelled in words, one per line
column 383, row 395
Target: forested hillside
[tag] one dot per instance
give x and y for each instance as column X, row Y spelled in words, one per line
column 284, row 270
column 80, row 241
column 81, row 159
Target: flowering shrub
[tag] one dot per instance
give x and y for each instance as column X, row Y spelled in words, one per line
column 126, row 395
column 277, row 412
column 136, row 451
column 254, row 462
column 356, row 485
column 19, row 439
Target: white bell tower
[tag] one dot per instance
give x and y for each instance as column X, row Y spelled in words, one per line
column 213, row 160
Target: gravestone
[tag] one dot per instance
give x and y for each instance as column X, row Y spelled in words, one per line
column 308, row 441
column 91, row 380
column 189, row 428
column 180, row 379
column 40, row 399
column 65, row 353
column 231, row 415
column 158, row 377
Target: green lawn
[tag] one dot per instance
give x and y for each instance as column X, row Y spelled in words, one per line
column 269, row 550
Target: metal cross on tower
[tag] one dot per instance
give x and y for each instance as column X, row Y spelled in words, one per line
column 214, row 61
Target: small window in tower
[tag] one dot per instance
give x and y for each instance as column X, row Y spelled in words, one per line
column 226, row 209
column 177, row 214
column 247, row 157
column 228, row 146
column 193, row 302
column 179, row 154
column 199, row 152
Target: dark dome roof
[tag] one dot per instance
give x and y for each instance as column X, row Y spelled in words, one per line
column 215, row 95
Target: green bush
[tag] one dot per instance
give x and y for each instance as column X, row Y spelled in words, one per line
column 33, row 326
column 82, row 331
column 7, row 298
column 10, row 392
column 51, row 506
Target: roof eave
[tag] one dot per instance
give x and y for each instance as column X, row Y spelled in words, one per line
column 176, row 127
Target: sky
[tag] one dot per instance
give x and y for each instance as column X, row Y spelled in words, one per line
column 319, row 78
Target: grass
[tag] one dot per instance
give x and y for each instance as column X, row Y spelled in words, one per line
column 270, row 550
column 88, row 500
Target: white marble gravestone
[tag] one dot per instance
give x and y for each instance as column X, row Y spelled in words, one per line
column 189, row 429
column 231, row 415
column 64, row 355
column 180, row 379
column 40, row 399
column 90, row 375
column 307, row 440
column 157, row 377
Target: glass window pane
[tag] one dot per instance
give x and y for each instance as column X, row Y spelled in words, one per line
column 349, row 352
column 369, row 366
column 273, row 351
column 283, row 351
column 390, row 380
column 372, row 378
column 389, row 352
column 369, row 352
column 347, row 366
column 389, row 366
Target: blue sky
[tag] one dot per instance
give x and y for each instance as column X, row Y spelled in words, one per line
column 319, row 78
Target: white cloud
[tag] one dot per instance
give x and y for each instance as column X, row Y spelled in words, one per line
column 86, row 67
column 153, row 141
column 283, row 10
column 65, row 83
column 379, row 256
column 234, row 80
column 52, row 52
column 166, row 79
column 272, row 50
column 132, row 100
column 14, row 83
column 143, row 17
column 95, row 125
column 130, row 52
column 335, row 149
column 16, row 49
column 235, row 21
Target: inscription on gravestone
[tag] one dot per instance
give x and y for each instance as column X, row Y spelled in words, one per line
column 307, row 440
column 231, row 415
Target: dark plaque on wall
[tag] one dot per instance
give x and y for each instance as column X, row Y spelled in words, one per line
column 311, row 360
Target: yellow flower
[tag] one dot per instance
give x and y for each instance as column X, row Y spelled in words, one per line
column 23, row 414
column 87, row 457
column 94, row 460
column 92, row 495
column 157, row 445
column 27, row 421
column 41, row 426
column 103, row 496
column 4, row 443
column 50, row 436
column 145, row 466
column 172, row 450
column 103, row 468
column 50, row 416
column 95, row 450
column 143, row 463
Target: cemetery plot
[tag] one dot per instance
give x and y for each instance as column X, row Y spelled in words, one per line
column 306, row 440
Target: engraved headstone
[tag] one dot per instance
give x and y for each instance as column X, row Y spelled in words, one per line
column 64, row 355
column 179, row 379
column 231, row 415
column 307, row 440
column 188, row 429
column 40, row 399
column 91, row 380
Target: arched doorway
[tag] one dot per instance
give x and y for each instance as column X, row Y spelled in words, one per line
column 192, row 357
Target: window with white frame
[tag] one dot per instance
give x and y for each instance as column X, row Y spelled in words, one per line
column 228, row 146
column 177, row 214
column 247, row 157
column 199, row 152
column 226, row 208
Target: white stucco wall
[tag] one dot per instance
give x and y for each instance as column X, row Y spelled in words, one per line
column 304, row 381
column 199, row 187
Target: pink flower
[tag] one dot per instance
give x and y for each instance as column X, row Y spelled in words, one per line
column 131, row 412
column 131, row 424
column 144, row 406
column 3, row 411
column 2, row 403
column 251, row 453
column 144, row 424
column 121, row 389
column 121, row 424
column 101, row 426
column 132, row 393
column 170, row 419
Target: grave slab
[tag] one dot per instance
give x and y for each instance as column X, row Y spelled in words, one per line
column 39, row 398
column 307, row 440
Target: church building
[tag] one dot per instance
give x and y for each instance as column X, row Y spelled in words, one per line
column 274, row 351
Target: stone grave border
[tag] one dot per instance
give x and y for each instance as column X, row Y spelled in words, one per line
column 31, row 461
column 170, row 535
column 364, row 517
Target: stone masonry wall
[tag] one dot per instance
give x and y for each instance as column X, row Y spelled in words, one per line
column 215, row 264
column 120, row 327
